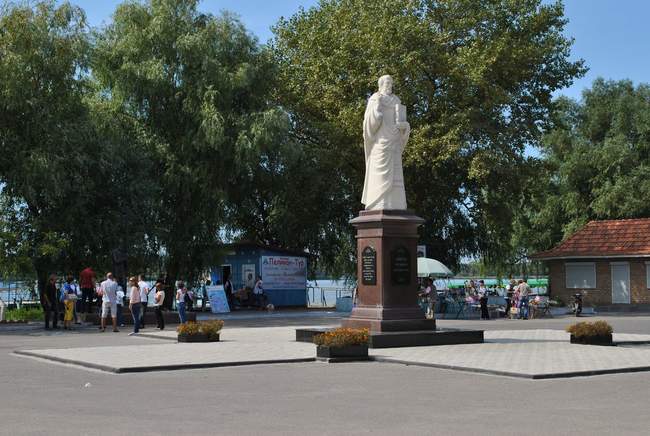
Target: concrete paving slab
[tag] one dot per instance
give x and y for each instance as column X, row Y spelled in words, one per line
column 175, row 356
column 535, row 360
column 534, row 354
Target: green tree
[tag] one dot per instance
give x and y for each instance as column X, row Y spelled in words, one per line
column 477, row 77
column 44, row 56
column 199, row 85
column 595, row 164
column 72, row 168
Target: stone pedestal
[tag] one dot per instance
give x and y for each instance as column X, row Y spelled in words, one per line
column 387, row 297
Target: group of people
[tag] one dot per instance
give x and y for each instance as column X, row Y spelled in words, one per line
column 76, row 300
column 517, row 294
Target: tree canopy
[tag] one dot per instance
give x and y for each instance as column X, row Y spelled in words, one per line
column 594, row 164
column 478, row 77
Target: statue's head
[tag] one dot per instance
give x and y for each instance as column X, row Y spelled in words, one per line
column 386, row 84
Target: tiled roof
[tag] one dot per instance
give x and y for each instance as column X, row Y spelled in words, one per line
column 613, row 238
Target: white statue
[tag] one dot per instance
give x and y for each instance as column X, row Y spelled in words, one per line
column 385, row 133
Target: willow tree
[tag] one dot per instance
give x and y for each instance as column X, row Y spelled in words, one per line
column 477, row 77
column 43, row 51
column 73, row 168
column 196, row 83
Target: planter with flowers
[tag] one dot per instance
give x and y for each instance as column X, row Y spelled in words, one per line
column 591, row 333
column 342, row 344
column 203, row 331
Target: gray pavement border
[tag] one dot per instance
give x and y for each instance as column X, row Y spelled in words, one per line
column 570, row 374
column 118, row 370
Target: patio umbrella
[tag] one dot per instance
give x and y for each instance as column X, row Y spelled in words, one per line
column 431, row 267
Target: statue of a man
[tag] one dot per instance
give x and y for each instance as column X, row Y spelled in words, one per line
column 385, row 133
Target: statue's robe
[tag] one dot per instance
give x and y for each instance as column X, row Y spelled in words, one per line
column 383, row 187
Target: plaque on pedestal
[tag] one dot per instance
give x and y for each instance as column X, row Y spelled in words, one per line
column 369, row 266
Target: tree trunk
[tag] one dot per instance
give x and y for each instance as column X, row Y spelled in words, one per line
column 170, row 283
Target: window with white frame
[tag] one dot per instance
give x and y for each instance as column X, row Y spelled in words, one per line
column 647, row 275
column 580, row 275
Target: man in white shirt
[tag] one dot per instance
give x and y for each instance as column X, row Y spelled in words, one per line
column 144, row 297
column 108, row 289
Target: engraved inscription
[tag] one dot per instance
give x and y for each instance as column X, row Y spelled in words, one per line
column 400, row 266
column 369, row 266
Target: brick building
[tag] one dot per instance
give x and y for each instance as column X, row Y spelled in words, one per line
column 609, row 261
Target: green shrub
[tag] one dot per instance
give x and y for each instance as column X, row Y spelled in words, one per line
column 585, row 329
column 342, row 337
column 25, row 314
column 209, row 328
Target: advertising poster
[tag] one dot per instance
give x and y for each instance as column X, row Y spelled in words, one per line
column 284, row 272
column 218, row 300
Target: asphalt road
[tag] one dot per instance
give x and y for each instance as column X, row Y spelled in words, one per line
column 311, row 398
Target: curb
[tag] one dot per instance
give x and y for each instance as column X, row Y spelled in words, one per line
column 176, row 367
column 555, row 375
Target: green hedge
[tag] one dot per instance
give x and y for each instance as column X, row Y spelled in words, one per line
column 24, row 314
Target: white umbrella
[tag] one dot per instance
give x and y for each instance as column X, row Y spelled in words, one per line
column 431, row 267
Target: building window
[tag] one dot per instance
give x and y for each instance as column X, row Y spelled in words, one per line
column 647, row 275
column 581, row 275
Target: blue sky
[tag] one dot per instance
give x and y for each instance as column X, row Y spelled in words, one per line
column 611, row 35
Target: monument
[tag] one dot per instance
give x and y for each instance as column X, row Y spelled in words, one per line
column 387, row 237
column 387, row 232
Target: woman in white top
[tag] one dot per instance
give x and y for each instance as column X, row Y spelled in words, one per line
column 181, row 293
column 158, row 299
column 134, row 304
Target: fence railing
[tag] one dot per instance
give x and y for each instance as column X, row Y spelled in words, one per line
column 18, row 292
column 325, row 296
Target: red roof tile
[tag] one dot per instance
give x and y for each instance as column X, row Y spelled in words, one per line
column 629, row 237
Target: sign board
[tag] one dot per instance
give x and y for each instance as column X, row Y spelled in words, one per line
column 369, row 266
column 218, row 300
column 400, row 266
column 284, row 272
column 422, row 251
column 248, row 275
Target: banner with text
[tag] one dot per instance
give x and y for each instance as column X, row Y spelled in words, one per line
column 284, row 272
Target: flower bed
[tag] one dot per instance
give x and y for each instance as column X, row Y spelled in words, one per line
column 343, row 344
column 591, row 333
column 203, row 331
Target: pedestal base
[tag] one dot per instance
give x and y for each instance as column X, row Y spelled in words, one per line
column 390, row 325
column 406, row 339
column 387, row 298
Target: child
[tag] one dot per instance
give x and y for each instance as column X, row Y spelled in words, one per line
column 69, row 298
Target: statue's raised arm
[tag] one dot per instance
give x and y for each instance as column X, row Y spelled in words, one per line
column 385, row 133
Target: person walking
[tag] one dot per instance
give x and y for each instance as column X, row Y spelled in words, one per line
column 50, row 303
column 181, row 293
column 158, row 300
column 144, row 287
column 87, row 283
column 108, row 291
column 135, row 304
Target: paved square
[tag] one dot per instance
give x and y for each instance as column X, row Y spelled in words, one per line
column 518, row 353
